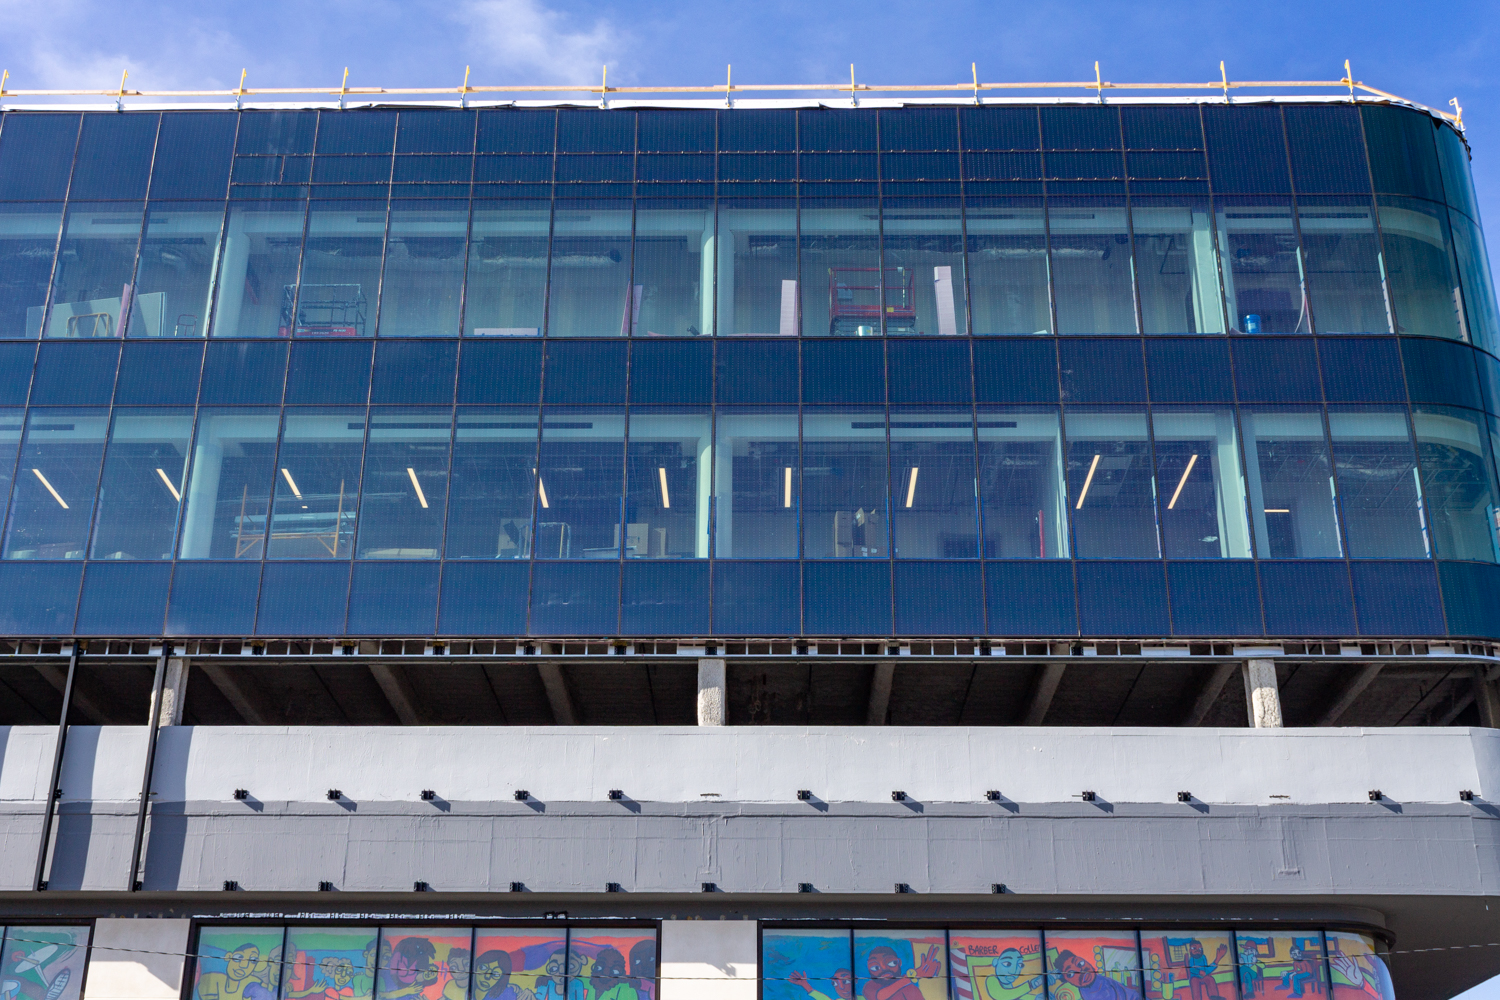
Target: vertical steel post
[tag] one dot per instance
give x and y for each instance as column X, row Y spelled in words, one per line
column 152, row 725
column 39, row 881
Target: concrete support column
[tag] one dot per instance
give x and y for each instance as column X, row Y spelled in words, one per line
column 173, row 692
column 709, row 960
column 712, row 683
column 1262, row 701
column 137, row 959
column 1487, row 695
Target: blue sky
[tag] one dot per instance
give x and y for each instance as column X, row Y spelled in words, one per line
column 1427, row 52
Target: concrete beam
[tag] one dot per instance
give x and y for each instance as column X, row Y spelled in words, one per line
column 1352, row 688
column 87, row 707
column 557, row 694
column 1487, row 693
column 1209, row 693
column 712, row 688
column 247, row 702
column 880, row 693
column 1262, row 699
column 1047, row 680
column 398, row 691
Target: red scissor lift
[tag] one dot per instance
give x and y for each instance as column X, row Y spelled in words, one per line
column 854, row 307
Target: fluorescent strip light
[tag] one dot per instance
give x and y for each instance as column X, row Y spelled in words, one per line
column 1085, row 491
column 541, row 489
column 1278, row 510
column 170, row 488
column 291, row 482
column 787, row 501
column 666, row 500
column 911, row 486
column 421, row 497
column 1183, row 481
column 43, row 478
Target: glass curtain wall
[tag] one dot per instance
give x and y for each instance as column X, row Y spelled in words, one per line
column 1092, row 269
column 140, row 493
column 338, row 293
column 757, row 267
column 1380, row 489
column 1457, row 482
column 674, row 267
column 1023, row 484
column 1201, row 490
column 422, row 288
column 494, row 484
column 924, row 261
column 591, row 293
column 505, row 295
column 1007, row 257
column 935, row 498
column 579, row 478
column 1177, row 270
column 758, row 483
column 315, row 504
column 668, row 470
column 1345, row 273
column 228, row 495
column 52, row 503
column 1293, row 496
column 405, row 490
column 258, row 274
column 1263, row 272
column 28, row 240
column 1110, row 479
column 844, row 484
column 174, row 277
column 841, row 279
column 1421, row 268
column 92, row 285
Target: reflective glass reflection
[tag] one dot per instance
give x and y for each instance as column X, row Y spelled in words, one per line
column 674, row 267
column 757, row 267
column 1109, row 475
column 424, row 269
column 668, row 468
column 1022, row 485
column 579, row 475
column 1198, row 478
column 228, row 493
column 12, row 422
column 1177, row 271
column 935, row 503
column 317, row 484
column 1262, row 266
column 844, row 484
column 1379, row 489
column 58, row 475
column 590, row 294
column 91, row 288
column 924, row 261
column 405, row 489
column 175, row 277
column 1458, row 487
column 28, row 238
column 1479, row 288
column 1291, row 485
column 1420, row 268
column 1091, row 265
column 1345, row 275
column 507, row 269
column 758, row 485
column 340, row 281
column 494, row 481
column 258, row 276
column 841, row 267
column 1007, row 252
column 140, row 492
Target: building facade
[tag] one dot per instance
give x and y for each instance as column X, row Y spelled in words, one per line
column 400, row 501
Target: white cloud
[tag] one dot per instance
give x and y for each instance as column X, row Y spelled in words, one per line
column 531, row 43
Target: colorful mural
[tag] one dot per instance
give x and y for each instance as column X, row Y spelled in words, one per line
column 238, row 963
column 1280, row 966
column 329, row 963
column 1093, row 965
column 43, row 963
column 1359, row 970
column 612, row 964
column 423, row 963
column 522, row 965
column 807, row 965
column 1188, row 965
column 901, row 965
column 996, row 965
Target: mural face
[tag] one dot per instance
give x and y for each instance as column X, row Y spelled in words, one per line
column 1284, row 966
column 612, row 965
column 900, row 965
column 43, row 963
column 1093, row 965
column 996, row 965
column 520, row 965
column 238, row 963
column 1359, row 971
column 1189, row 965
column 430, row 963
column 329, row 963
column 807, row 964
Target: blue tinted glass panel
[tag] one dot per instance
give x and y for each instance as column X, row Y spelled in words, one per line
column 843, row 372
column 844, row 484
column 1030, row 598
column 757, row 131
column 500, row 372
column 1246, row 150
column 1214, row 599
column 677, row 131
column 1161, row 128
column 1471, row 598
column 258, row 270
column 575, row 598
column 507, row 285
column 53, row 503
column 663, row 598
column 435, row 132
column 591, row 132
column 405, row 487
column 516, row 131
column 580, row 474
column 757, row 483
column 414, row 372
column 276, row 132
column 585, row 373
column 1007, row 267
column 1080, row 128
column 356, row 132
column 1363, row 369
column 114, row 156
column 140, row 492
column 1022, row 485
column 171, row 296
column 329, row 373
column 123, row 598
column 591, row 294
column 1201, row 491
column 668, row 469
column 841, row 273
column 42, row 597
column 837, row 130
column 36, row 155
column 424, row 269
column 1102, row 371
column 1489, row 380
column 340, row 280
column 243, row 374
column 393, row 599
column 484, row 598
column 1397, row 599
column 1458, row 489
column 1421, row 269
column 1403, row 156
column 918, row 128
column 757, row 266
column 317, row 490
column 159, row 374
column 28, row 238
column 16, row 362
column 299, row 598
column 193, row 155
column 1109, row 472
column 1345, row 280
column 229, row 484
column 847, row 598
column 929, row 373
column 939, row 598
column 1281, row 370
column 214, row 599
column 1380, row 493
column 1122, row 598
column 999, row 128
column 1177, row 272
column 1478, row 283
column 1189, row 371
column 1015, row 371
column 12, row 423
column 1327, row 150
column 1262, row 266
column 671, row 373
column 1458, row 182
column 1437, row 372
column 91, row 286
column 935, row 503
column 75, row 374
column 673, row 258
column 493, row 485
column 1091, row 266
column 757, row 372
column 1307, row 598
column 1291, row 485
column 756, row 599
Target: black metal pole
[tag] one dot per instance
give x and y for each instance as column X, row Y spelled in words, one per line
column 152, row 725
column 39, row 881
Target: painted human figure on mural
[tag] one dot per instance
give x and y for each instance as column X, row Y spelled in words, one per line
column 1201, row 971
column 609, row 978
column 1302, row 973
column 1007, row 983
column 643, row 968
column 883, row 966
column 1089, row 983
column 411, row 969
column 336, row 982
column 564, row 980
column 843, row 985
column 244, row 978
column 1252, row 971
column 492, row 978
column 457, row 986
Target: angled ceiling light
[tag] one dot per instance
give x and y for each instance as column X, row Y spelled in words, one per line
column 170, row 488
column 61, row 502
column 1183, row 481
column 291, row 482
column 421, row 497
column 787, row 489
column 911, row 485
column 1093, row 467
column 666, row 499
